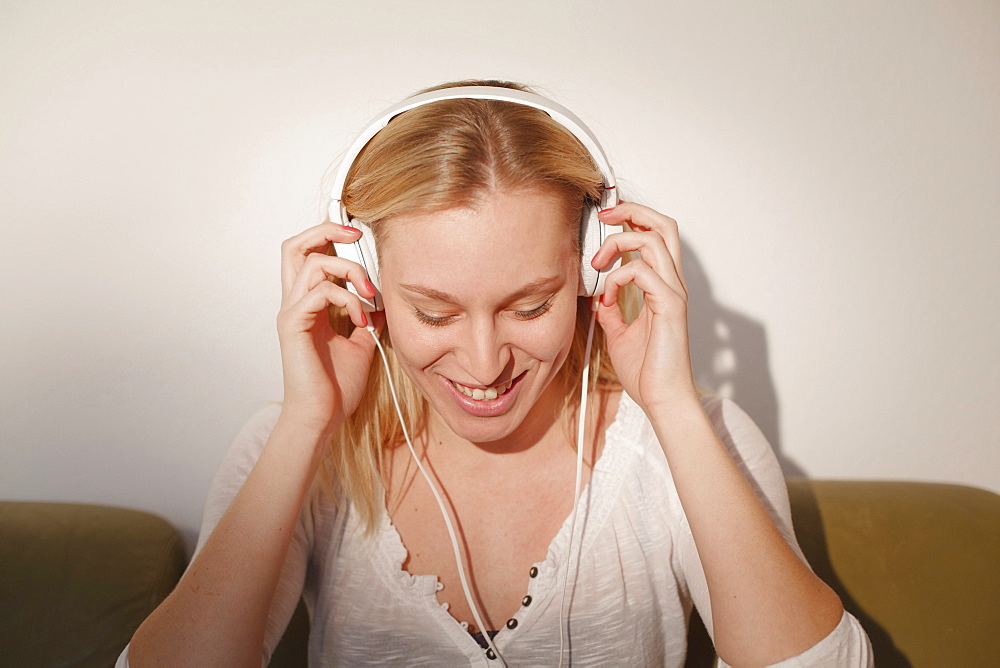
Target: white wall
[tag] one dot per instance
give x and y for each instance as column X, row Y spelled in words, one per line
column 834, row 167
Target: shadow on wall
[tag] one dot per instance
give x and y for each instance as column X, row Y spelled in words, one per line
column 729, row 356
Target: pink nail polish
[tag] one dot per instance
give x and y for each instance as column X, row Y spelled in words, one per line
column 364, row 318
column 352, row 229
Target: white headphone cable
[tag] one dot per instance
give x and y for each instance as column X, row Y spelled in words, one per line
column 440, row 502
column 581, row 432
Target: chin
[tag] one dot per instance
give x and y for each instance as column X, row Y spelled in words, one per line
column 481, row 431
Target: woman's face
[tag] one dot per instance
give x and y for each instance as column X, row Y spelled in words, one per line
column 481, row 305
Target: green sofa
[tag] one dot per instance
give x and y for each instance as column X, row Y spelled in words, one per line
column 917, row 563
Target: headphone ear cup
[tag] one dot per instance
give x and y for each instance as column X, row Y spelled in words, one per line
column 589, row 277
column 594, row 234
column 364, row 253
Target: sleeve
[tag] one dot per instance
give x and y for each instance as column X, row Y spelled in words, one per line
column 233, row 471
column 847, row 644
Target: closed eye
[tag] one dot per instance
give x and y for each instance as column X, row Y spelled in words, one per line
column 432, row 320
column 535, row 312
column 442, row 320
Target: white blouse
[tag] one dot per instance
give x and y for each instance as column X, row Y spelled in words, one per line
column 630, row 594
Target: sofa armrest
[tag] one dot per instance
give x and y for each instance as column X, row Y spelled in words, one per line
column 77, row 580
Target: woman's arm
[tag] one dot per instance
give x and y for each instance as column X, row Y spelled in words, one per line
column 217, row 614
column 766, row 604
column 847, row 644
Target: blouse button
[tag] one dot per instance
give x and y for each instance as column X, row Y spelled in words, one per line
column 526, row 601
column 490, row 654
column 511, row 623
column 533, row 572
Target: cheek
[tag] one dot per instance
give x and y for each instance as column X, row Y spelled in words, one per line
column 417, row 346
column 414, row 345
column 552, row 340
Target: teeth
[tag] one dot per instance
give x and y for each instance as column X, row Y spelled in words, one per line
column 479, row 394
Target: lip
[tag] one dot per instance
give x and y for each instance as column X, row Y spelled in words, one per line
column 485, row 407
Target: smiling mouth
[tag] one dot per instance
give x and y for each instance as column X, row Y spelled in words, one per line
column 481, row 394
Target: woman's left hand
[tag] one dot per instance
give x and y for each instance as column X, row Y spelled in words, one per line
column 651, row 355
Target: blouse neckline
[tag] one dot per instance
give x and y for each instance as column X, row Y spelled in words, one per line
column 621, row 446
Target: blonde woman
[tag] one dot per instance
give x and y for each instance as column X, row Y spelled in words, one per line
column 465, row 538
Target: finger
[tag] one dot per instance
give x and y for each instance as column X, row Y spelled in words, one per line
column 611, row 319
column 652, row 251
column 316, row 239
column 301, row 315
column 638, row 217
column 361, row 336
column 643, row 218
column 660, row 297
column 318, row 267
column 649, row 245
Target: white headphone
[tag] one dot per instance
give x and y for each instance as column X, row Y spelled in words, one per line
column 595, row 232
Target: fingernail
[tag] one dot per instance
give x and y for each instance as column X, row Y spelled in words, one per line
column 364, row 319
column 352, row 229
column 370, row 286
column 604, row 211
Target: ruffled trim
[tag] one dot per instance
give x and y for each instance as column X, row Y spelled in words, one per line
column 390, row 553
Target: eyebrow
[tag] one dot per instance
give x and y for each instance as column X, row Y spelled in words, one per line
column 525, row 291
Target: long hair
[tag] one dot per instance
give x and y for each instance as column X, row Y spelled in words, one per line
column 446, row 154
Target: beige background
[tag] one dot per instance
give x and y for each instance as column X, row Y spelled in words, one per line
column 834, row 168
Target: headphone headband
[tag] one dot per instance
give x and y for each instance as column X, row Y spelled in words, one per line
column 559, row 113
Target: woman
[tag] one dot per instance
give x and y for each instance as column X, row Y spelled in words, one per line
column 475, row 206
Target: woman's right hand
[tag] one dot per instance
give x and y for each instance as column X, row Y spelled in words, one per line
column 324, row 373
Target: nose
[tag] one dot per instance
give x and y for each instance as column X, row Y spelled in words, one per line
column 484, row 352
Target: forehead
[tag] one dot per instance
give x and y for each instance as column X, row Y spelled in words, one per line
column 513, row 236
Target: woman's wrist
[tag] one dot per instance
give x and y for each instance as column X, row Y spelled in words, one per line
column 675, row 405
column 681, row 421
column 305, row 427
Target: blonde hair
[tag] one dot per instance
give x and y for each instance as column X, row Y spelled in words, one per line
column 446, row 154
